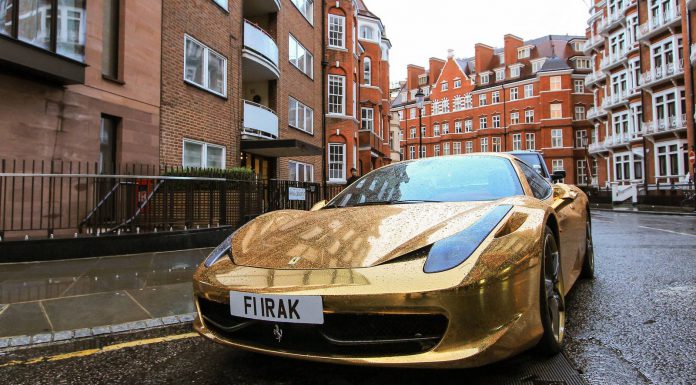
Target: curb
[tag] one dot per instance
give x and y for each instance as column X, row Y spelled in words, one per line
column 10, row 343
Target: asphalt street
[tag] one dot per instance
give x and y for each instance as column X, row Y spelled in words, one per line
column 633, row 324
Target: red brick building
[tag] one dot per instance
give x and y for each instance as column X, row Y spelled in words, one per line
column 357, row 119
column 643, row 88
column 242, row 86
column 526, row 95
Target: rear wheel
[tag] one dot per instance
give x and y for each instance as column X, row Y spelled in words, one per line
column 588, row 265
column 552, row 299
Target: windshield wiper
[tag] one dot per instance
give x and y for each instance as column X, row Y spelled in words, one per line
column 393, row 202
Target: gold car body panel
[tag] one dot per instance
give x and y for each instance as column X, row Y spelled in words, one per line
column 491, row 300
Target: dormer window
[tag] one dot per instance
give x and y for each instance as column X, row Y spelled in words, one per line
column 501, row 58
column 582, row 64
column 500, row 75
column 422, row 80
column 523, row 53
column 537, row 64
column 458, row 83
column 485, row 78
column 366, row 33
column 515, row 71
column 578, row 46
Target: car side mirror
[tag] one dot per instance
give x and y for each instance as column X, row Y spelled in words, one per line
column 558, row 176
column 319, row 206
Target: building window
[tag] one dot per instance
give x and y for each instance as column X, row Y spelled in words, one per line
column 496, row 121
column 499, row 75
column 422, row 80
column 514, row 118
column 401, row 115
column 579, row 86
column 484, row 144
column 496, row 145
column 580, row 113
column 495, row 97
column 337, row 162
column 523, row 53
column 457, row 148
column 436, row 130
column 337, row 27
column 412, row 113
column 530, row 142
column 423, row 153
column 556, row 111
column 529, row 90
column 581, row 173
column 668, row 160
column 203, row 155
column 457, row 83
column 412, row 152
column 580, row 138
column 557, row 138
column 446, row 146
column 516, row 142
column 537, row 66
column 108, row 144
column 306, row 8
column 468, row 125
column 468, row 104
column 222, row 3
column 445, row 128
column 483, row 123
column 111, row 53
column 412, row 133
column 445, row 106
column 367, row 71
column 555, row 83
column 457, row 103
column 582, row 64
column 301, row 58
column 514, row 94
column 300, row 172
column 622, row 164
column 444, row 86
column 300, row 116
column 366, row 33
column 437, row 150
column 435, row 107
column 485, row 78
column 423, row 131
column 337, row 86
column 204, row 67
column 557, row 165
column 515, row 72
column 469, row 148
column 483, row 100
column 529, row 116
column 458, row 126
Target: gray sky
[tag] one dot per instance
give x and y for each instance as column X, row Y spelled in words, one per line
column 459, row 24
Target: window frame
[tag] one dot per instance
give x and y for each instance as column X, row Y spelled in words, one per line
column 297, row 166
column 204, row 153
column 339, row 35
column 309, row 16
column 307, row 54
column 342, row 80
column 342, row 163
column 206, row 55
column 305, row 109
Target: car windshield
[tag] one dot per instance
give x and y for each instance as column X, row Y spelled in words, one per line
column 533, row 160
column 443, row 179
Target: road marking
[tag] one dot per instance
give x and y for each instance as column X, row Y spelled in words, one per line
column 667, row 231
column 105, row 349
column 138, row 303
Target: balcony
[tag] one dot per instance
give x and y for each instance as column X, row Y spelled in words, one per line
column 596, row 113
column 669, row 19
column 259, row 121
column 615, row 19
column 662, row 74
column 615, row 100
column 261, row 7
column 595, row 41
column 260, row 54
column 376, row 143
column 622, row 140
column 595, row 78
column 670, row 124
column 614, row 60
column 597, row 147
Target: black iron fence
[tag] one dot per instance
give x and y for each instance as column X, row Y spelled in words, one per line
column 59, row 199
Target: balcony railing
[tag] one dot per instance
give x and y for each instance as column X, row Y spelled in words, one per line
column 597, row 147
column 595, row 77
column 611, row 101
column 616, row 18
column 614, row 60
column 659, row 74
column 260, row 121
column 261, row 48
column 596, row 112
column 669, row 124
column 592, row 42
column 659, row 23
column 622, row 139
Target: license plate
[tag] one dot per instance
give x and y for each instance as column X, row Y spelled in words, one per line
column 278, row 308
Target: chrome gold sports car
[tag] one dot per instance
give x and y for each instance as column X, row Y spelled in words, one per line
column 454, row 261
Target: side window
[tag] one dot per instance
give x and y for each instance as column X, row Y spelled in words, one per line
column 540, row 187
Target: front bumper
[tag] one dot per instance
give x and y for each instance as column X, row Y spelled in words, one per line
column 493, row 318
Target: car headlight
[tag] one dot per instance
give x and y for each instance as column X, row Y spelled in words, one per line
column 453, row 251
column 219, row 251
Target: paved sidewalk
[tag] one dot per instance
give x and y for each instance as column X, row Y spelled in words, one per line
column 644, row 209
column 60, row 300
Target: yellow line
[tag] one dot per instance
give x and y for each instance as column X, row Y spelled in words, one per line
column 105, row 349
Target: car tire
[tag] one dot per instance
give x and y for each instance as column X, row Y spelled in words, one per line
column 588, row 264
column 551, row 296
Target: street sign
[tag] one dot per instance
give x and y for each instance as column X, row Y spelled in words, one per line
column 297, row 194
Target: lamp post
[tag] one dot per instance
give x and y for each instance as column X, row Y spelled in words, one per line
column 420, row 100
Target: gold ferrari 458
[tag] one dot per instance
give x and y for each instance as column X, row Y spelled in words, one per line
column 455, row 261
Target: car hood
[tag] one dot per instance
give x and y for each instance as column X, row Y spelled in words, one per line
column 349, row 237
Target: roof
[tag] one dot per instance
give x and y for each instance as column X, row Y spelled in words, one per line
column 362, row 10
column 555, row 64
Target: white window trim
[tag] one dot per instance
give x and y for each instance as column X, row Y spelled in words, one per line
column 206, row 51
column 343, row 170
column 343, row 96
column 308, row 54
column 304, row 107
column 342, row 24
column 204, row 153
column 308, row 16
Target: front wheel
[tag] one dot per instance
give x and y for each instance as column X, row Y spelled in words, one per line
column 588, row 264
column 551, row 297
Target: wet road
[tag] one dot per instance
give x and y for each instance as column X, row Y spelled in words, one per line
column 632, row 325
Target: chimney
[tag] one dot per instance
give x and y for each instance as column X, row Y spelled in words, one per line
column 512, row 43
column 413, row 71
column 436, row 66
column 484, row 57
